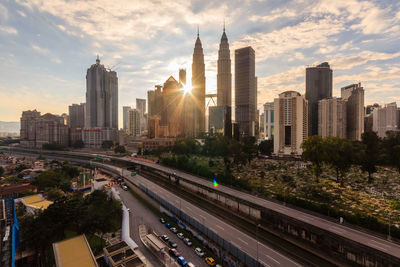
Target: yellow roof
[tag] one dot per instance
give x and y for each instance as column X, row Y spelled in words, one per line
column 41, row 204
column 74, row 252
column 32, row 199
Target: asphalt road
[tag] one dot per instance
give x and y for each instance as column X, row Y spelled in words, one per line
column 142, row 215
column 266, row 255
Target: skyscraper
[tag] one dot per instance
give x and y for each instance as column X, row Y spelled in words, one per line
column 318, row 86
column 385, row 119
column 101, row 105
column 141, row 107
column 332, row 117
column 224, row 76
column 245, row 91
column 268, row 120
column 354, row 94
column 134, row 122
column 77, row 115
column 291, row 127
column 198, row 93
column 125, row 111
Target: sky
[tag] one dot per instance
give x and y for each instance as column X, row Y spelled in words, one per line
column 46, row 46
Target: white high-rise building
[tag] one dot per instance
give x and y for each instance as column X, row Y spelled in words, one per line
column 332, row 117
column 385, row 119
column 291, row 123
column 141, row 108
column 134, row 122
column 268, row 122
column 125, row 111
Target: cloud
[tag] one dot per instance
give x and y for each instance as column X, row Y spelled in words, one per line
column 275, row 14
column 350, row 61
column 8, row 30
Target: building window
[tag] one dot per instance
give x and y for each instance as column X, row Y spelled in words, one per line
column 288, row 135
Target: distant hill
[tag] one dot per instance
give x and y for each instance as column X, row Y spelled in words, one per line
column 9, row 126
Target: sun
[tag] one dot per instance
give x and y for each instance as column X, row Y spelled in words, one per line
column 187, row 89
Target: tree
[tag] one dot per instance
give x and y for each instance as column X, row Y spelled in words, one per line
column 339, row 154
column 249, row 147
column 391, row 149
column 107, row 144
column 314, row 151
column 370, row 153
column 120, row 149
column 52, row 179
column 1, row 171
column 266, row 147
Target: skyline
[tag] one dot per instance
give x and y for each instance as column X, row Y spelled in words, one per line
column 51, row 45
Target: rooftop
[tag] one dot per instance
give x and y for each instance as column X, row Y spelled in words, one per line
column 74, row 252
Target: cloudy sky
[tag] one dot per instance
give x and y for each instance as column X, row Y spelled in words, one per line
column 46, row 46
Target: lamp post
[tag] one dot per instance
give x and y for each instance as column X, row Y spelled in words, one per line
column 258, row 225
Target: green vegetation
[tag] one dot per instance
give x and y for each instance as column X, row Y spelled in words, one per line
column 107, row 144
column 96, row 213
column 266, row 147
column 48, row 180
column 53, row 146
column 120, row 149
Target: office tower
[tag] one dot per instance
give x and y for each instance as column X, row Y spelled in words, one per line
column 182, row 77
column 141, row 107
column 77, row 115
column 154, row 98
column 385, row 119
column 332, row 117
column 224, row 75
column 198, row 93
column 172, row 109
column 268, row 120
column 245, row 91
column 318, row 86
column 134, row 122
column 101, row 105
column 125, row 111
column 101, row 97
column 291, row 121
column 28, row 128
column 354, row 95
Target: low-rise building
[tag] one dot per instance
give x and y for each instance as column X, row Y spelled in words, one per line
column 35, row 203
column 74, row 252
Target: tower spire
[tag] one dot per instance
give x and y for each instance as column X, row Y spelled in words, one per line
column 98, row 59
column 198, row 30
column 224, row 25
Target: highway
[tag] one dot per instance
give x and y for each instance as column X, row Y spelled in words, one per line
column 360, row 237
column 265, row 255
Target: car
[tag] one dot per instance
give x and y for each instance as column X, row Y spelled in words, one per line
column 218, row 265
column 187, row 242
column 173, row 229
column 173, row 252
column 165, row 238
column 190, row 264
column 125, row 187
column 210, row 261
column 180, row 235
column 172, row 244
column 162, row 220
column 181, row 261
column 168, row 225
column 199, row 252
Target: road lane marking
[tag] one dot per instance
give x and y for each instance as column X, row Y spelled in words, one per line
column 242, row 240
column 336, row 229
column 220, row 227
column 267, row 265
column 376, row 246
column 269, row 257
column 236, row 245
column 379, row 243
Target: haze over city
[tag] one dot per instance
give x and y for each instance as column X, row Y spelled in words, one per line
column 46, row 46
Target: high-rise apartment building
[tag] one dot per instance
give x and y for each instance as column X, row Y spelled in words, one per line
column 332, row 114
column 172, row 115
column 182, row 77
column 198, row 93
column 154, row 99
column 318, row 86
column 134, row 118
column 125, row 111
column 354, row 95
column 245, row 91
column 28, row 128
column 268, row 121
column 385, row 119
column 291, row 123
column 77, row 115
column 141, row 107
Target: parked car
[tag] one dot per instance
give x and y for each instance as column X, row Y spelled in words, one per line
column 199, row 252
column 165, row 238
column 180, row 235
column 187, row 242
column 173, row 229
column 172, row 244
column 210, row 261
column 181, row 261
column 125, row 187
column 173, row 252
column 191, row 265
column 168, row 225
column 162, row 220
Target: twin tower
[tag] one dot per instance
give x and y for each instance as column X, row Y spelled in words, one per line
column 224, row 83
